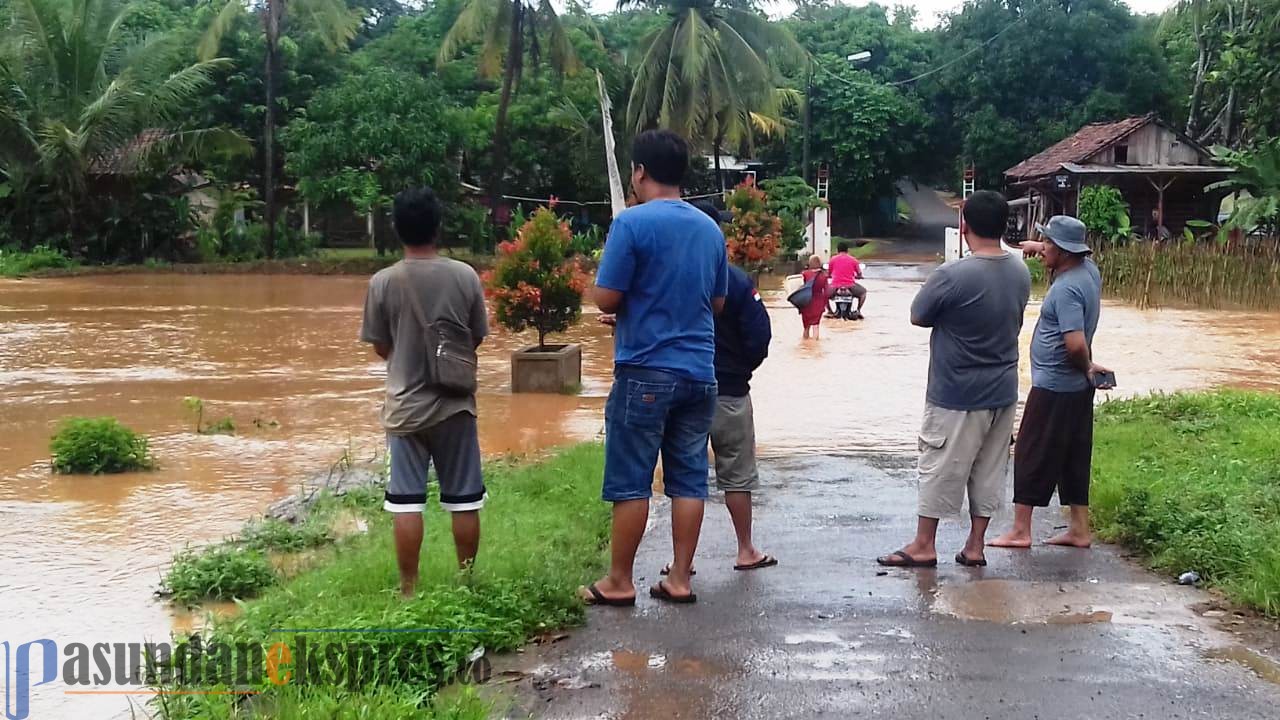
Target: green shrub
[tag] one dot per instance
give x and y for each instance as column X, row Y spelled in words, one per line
column 790, row 198
column 14, row 263
column 273, row 534
column 1104, row 212
column 220, row 572
column 94, row 446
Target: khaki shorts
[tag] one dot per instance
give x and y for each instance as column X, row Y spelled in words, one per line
column 733, row 439
column 964, row 451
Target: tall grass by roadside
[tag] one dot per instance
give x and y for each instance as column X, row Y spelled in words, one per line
column 1239, row 273
column 1192, row 481
column 544, row 532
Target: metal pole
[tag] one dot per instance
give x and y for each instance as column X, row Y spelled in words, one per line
column 808, row 123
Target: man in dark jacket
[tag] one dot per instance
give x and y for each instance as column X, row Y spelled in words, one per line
column 742, row 343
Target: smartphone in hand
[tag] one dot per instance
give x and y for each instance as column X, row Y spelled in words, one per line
column 1104, row 380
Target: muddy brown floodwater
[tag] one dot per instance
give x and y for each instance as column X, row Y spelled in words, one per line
column 279, row 355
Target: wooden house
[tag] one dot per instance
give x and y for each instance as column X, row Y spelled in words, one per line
column 1159, row 171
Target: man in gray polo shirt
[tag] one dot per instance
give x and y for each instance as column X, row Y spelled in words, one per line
column 1055, row 441
column 974, row 306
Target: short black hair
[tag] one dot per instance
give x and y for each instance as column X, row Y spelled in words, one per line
column 664, row 155
column 987, row 212
column 842, row 246
column 416, row 213
column 711, row 211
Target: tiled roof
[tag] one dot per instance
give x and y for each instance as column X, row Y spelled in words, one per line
column 1076, row 148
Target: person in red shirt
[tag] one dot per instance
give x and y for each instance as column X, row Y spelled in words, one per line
column 811, row 314
column 845, row 271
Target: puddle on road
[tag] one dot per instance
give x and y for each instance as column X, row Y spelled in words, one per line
column 1260, row 665
column 1015, row 602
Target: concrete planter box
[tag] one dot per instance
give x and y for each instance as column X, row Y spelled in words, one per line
column 555, row 369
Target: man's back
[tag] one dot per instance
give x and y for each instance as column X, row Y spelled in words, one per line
column 844, row 270
column 668, row 259
column 743, row 333
column 446, row 289
column 975, row 306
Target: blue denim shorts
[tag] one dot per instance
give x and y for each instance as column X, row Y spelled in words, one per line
column 651, row 412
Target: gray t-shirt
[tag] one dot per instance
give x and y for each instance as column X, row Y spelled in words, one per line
column 447, row 289
column 975, row 307
column 1073, row 303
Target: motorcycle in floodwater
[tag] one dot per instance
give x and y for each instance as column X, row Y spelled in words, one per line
column 844, row 301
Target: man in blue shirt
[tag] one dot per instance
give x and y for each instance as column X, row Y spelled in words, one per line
column 664, row 273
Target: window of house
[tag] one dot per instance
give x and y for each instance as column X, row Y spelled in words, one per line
column 1122, row 154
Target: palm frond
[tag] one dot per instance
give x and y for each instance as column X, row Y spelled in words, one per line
column 332, row 20
column 478, row 19
column 39, row 30
column 170, row 98
column 563, row 58
column 645, row 101
column 221, row 24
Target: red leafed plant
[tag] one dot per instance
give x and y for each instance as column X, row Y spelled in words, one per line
column 754, row 235
column 533, row 285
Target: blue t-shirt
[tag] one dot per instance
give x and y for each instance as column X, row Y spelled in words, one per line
column 668, row 260
column 1073, row 303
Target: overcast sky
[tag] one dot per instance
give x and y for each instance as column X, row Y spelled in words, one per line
column 929, row 10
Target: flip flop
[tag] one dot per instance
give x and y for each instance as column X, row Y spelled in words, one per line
column 962, row 560
column 660, row 592
column 667, row 571
column 599, row 598
column 899, row 558
column 764, row 562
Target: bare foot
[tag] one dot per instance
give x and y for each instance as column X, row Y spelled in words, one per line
column 1011, row 539
column 1069, row 539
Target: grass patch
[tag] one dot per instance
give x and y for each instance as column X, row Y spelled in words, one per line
column 16, row 263
column 1192, row 482
column 95, row 446
column 218, row 572
column 544, row 533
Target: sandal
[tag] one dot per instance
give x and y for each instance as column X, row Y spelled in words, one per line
column 660, row 592
column 667, row 571
column 599, row 598
column 962, row 560
column 900, row 558
column 764, row 562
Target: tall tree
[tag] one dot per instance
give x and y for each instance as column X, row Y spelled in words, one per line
column 713, row 74
column 78, row 91
column 336, row 25
column 507, row 31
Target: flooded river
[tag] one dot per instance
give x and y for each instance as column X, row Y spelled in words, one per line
column 279, row 355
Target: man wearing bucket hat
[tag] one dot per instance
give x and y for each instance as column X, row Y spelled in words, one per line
column 1054, row 447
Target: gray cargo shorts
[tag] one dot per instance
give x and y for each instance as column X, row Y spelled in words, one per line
column 964, row 452
column 454, row 446
column 733, row 440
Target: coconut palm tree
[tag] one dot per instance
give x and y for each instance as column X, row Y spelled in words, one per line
column 335, row 24
column 502, row 27
column 712, row 74
column 78, row 91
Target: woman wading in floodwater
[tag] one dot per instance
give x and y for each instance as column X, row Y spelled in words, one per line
column 811, row 314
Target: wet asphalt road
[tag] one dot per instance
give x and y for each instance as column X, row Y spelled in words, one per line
column 1046, row 633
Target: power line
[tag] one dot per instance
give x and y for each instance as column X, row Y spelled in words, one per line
column 927, row 73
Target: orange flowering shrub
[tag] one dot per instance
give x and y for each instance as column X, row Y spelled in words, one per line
column 533, row 285
column 754, row 235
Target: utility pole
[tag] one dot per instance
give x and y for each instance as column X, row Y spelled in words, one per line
column 808, row 122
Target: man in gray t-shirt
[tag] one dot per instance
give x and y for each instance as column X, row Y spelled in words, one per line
column 1054, row 450
column 425, row 424
column 975, row 307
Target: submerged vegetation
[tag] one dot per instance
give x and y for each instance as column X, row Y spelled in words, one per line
column 551, row 539
column 1237, row 273
column 95, row 446
column 1191, row 481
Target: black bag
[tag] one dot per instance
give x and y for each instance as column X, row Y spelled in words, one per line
column 804, row 295
column 451, row 352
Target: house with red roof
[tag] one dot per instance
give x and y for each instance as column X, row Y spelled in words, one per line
column 1160, row 172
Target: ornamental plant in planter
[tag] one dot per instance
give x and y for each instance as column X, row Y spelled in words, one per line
column 533, row 285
